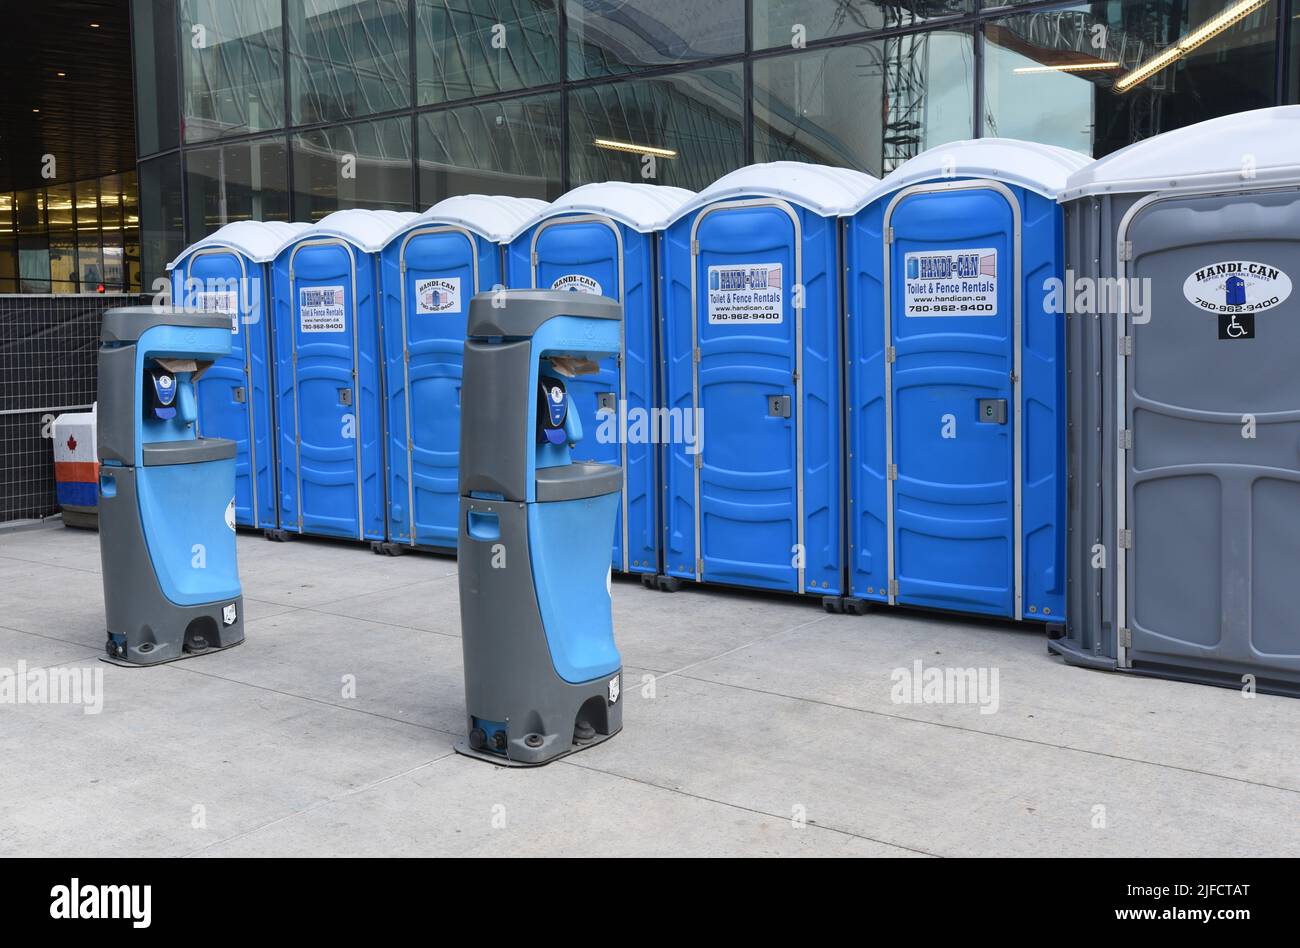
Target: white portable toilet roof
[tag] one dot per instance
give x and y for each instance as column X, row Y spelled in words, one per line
column 643, row 207
column 260, row 241
column 1041, row 168
column 1246, row 148
column 494, row 216
column 367, row 229
column 823, row 189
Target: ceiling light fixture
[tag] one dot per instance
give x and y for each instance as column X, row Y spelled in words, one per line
column 634, row 149
column 1066, row 67
column 1206, row 31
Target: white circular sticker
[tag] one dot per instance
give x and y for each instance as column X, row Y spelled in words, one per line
column 577, row 283
column 230, row 514
column 1237, row 286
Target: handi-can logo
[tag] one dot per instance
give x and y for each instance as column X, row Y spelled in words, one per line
column 79, row 901
column 1237, row 286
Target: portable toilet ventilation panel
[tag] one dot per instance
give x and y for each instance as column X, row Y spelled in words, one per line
column 543, row 677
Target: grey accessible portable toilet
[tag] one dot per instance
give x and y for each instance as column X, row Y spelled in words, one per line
column 1185, row 404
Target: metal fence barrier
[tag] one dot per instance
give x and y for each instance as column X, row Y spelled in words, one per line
column 48, row 346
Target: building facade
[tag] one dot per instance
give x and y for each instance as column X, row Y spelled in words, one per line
column 290, row 109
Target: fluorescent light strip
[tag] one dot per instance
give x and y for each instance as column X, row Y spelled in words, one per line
column 1208, row 30
column 634, row 148
column 1068, row 67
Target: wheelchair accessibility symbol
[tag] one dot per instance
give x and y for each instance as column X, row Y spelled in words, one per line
column 1236, row 325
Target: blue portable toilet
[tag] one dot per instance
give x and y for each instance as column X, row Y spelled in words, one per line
column 956, row 390
column 752, row 349
column 229, row 272
column 601, row 238
column 329, row 370
column 428, row 272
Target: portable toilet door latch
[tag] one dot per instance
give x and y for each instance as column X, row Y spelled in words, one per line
column 778, row 406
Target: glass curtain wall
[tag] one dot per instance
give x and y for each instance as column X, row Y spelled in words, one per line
column 78, row 237
column 290, row 109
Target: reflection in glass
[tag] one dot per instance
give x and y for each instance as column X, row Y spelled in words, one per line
column 34, row 265
column 31, row 210
column 869, row 106
column 684, row 130
column 90, row 263
column 153, row 42
column 366, row 164
column 613, row 37
column 64, row 220
column 348, row 58
column 115, row 264
column 506, row 147
column 469, row 48
column 8, row 264
column 243, row 181
column 231, row 68
column 795, row 23
column 1116, row 73
column 58, row 203
column 162, row 233
column 63, row 263
column 1293, row 85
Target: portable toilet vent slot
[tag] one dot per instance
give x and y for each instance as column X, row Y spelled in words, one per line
column 602, row 239
column 429, row 270
column 1185, row 406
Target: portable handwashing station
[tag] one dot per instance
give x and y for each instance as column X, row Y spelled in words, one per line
column 542, row 674
column 166, row 495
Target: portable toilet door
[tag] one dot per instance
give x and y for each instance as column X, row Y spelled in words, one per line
column 753, row 360
column 429, row 271
column 329, row 376
column 956, row 395
column 601, row 238
column 228, row 272
column 1185, row 406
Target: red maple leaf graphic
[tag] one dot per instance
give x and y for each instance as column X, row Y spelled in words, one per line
column 72, row 443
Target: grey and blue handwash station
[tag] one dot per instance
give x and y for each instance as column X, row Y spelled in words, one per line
column 543, row 677
column 166, row 495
